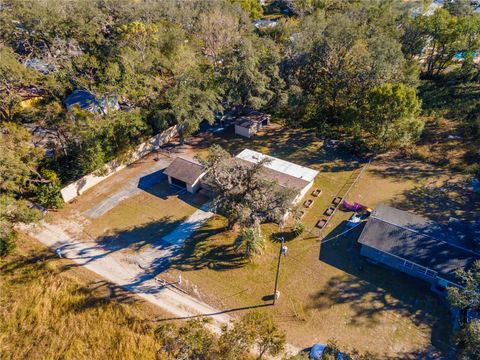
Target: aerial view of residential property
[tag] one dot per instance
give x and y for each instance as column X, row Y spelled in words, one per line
column 239, row 179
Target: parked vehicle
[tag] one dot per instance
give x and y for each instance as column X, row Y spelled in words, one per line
column 355, row 219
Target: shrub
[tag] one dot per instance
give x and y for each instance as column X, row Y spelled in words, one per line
column 250, row 242
column 48, row 194
column 298, row 229
column 7, row 242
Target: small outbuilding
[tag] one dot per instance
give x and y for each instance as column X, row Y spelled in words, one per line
column 248, row 125
column 416, row 246
column 185, row 173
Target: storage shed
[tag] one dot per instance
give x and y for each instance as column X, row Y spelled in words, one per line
column 251, row 123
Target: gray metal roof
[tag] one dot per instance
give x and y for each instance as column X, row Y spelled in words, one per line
column 416, row 239
column 185, row 169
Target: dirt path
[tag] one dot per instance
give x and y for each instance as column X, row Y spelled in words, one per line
column 130, row 271
column 135, row 272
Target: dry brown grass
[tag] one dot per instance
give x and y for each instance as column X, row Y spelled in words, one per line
column 48, row 312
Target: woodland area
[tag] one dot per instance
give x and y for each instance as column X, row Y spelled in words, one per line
column 348, row 69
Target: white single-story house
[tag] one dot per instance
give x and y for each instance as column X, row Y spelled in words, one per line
column 250, row 124
column 287, row 174
column 185, row 173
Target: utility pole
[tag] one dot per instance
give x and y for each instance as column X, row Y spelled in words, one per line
column 283, row 251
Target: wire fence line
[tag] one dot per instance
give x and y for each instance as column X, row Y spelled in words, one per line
column 342, row 194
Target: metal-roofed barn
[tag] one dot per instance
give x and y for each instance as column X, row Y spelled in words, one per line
column 416, row 246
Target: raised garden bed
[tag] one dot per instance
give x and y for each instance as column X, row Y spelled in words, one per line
column 321, row 223
column 329, row 211
column 337, row 200
column 316, row 192
column 308, row 203
column 301, row 214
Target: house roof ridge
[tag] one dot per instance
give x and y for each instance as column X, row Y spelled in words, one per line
column 427, row 235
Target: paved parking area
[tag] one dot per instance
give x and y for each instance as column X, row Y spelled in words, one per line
column 145, row 180
column 189, row 226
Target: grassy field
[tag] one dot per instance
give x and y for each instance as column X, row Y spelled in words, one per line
column 50, row 310
column 327, row 290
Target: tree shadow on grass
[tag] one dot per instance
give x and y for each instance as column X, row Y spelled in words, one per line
column 98, row 295
column 440, row 202
column 455, row 99
column 300, row 146
column 139, row 236
column 400, row 169
column 373, row 291
column 276, row 237
column 200, row 251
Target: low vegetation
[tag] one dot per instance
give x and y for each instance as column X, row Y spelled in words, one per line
column 51, row 309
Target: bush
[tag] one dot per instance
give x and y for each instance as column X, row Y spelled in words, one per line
column 7, row 242
column 298, row 229
column 48, row 194
column 250, row 242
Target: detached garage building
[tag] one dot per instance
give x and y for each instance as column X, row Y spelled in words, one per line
column 416, row 246
column 185, row 173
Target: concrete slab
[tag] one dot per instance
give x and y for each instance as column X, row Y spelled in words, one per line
column 145, row 180
column 189, row 226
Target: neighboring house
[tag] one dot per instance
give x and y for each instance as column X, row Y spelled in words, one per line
column 40, row 66
column 87, row 101
column 185, row 173
column 416, row 246
column 251, row 123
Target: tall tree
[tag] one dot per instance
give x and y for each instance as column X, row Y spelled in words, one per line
column 251, row 75
column 467, row 297
column 220, row 31
column 242, row 193
column 391, row 115
column 16, row 83
column 444, row 40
